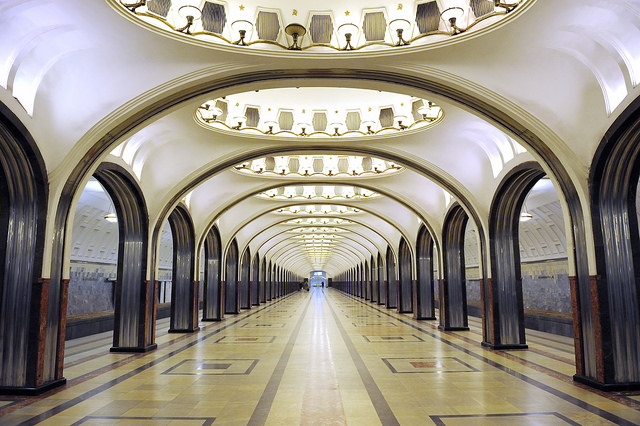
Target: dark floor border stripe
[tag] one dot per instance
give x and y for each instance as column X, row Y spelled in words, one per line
column 378, row 400
column 613, row 396
column 28, row 400
column 438, row 419
column 261, row 412
column 207, row 421
column 568, row 398
column 77, row 400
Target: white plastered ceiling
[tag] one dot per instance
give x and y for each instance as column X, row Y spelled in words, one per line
column 73, row 71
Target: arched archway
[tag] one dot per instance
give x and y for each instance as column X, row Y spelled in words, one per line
column 263, row 281
column 245, row 280
column 483, row 106
column 184, row 292
column 213, row 293
column 23, row 294
column 276, row 281
column 367, row 281
column 232, row 296
column 255, row 281
column 382, row 287
column 391, row 282
column 503, row 305
column 405, row 296
column 615, row 290
column 453, row 292
column 360, row 271
column 424, row 294
column 374, row 282
column 134, row 308
column 269, row 282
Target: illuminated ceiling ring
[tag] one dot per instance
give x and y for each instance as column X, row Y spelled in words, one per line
column 306, row 166
column 231, row 27
column 312, row 112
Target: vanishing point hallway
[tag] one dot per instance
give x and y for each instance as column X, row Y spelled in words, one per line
column 327, row 359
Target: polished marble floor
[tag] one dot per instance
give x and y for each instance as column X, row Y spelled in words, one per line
column 322, row 358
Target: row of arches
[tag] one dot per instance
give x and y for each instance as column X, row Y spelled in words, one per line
column 228, row 283
column 32, row 352
column 502, row 294
column 607, row 301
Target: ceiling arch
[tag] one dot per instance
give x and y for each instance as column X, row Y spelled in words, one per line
column 523, row 133
column 398, row 195
column 286, row 245
column 366, row 210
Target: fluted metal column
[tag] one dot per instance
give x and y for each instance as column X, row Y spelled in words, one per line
column 184, row 289
column 424, row 297
column 24, row 297
column 212, row 293
column 405, row 290
column 453, row 294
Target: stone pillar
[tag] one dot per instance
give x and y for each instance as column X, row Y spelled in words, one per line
column 453, row 308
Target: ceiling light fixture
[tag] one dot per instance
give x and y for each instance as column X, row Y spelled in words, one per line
column 297, row 32
column 240, row 120
column 243, row 27
column 209, row 114
column 453, row 13
column 212, row 112
column 341, row 166
column 399, row 26
column 348, row 31
column 133, row 6
column 191, row 14
column 508, row 7
column 270, row 126
column 428, row 112
column 398, row 119
column 178, row 10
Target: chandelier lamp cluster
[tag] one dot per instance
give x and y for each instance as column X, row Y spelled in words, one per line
column 315, row 222
column 314, row 209
column 308, row 192
column 302, row 231
column 211, row 115
column 185, row 16
column 330, row 166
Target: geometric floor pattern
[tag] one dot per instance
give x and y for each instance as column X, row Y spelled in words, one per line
column 321, row 357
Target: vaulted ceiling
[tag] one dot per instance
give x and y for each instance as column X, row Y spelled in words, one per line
column 95, row 82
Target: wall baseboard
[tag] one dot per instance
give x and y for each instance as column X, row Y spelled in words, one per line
column 553, row 324
column 86, row 325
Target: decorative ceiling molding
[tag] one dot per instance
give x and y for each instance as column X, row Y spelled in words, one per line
column 364, row 27
column 322, row 166
column 314, row 193
column 315, row 112
column 318, row 209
